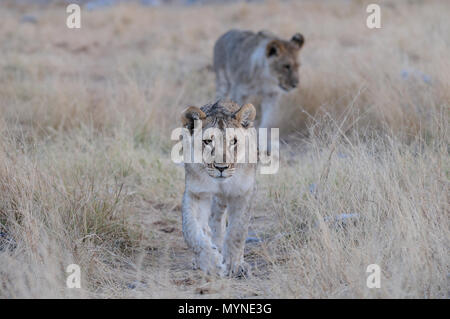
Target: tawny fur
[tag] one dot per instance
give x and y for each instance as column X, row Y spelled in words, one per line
column 216, row 205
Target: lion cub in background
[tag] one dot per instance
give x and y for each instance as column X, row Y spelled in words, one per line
column 249, row 65
column 217, row 197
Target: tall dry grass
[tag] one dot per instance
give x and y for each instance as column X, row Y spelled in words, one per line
column 86, row 175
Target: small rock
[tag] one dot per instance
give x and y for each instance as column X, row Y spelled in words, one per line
column 252, row 240
column 29, row 19
column 313, row 189
column 136, row 284
column 151, row 3
column 99, row 4
column 409, row 74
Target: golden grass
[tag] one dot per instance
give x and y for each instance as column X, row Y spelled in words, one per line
column 86, row 175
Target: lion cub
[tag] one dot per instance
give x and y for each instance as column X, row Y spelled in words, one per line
column 217, row 196
column 249, row 65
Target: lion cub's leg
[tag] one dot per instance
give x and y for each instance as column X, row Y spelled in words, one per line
column 222, row 84
column 236, row 233
column 217, row 221
column 195, row 213
column 270, row 111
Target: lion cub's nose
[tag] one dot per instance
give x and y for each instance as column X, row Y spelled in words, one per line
column 221, row 167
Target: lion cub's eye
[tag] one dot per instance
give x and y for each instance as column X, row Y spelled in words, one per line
column 287, row 67
column 207, row 142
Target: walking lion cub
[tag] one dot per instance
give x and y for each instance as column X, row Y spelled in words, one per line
column 218, row 195
column 249, row 65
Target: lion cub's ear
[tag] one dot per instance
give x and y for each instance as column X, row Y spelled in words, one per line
column 273, row 48
column 246, row 115
column 298, row 40
column 190, row 115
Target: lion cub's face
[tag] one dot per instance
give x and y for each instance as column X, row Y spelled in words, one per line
column 221, row 115
column 283, row 61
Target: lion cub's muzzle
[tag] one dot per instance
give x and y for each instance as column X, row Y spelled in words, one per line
column 291, row 85
column 221, row 167
column 220, row 170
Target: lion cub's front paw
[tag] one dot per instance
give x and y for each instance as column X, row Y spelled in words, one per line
column 241, row 269
column 211, row 262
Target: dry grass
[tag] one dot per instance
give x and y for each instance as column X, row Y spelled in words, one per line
column 86, row 176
